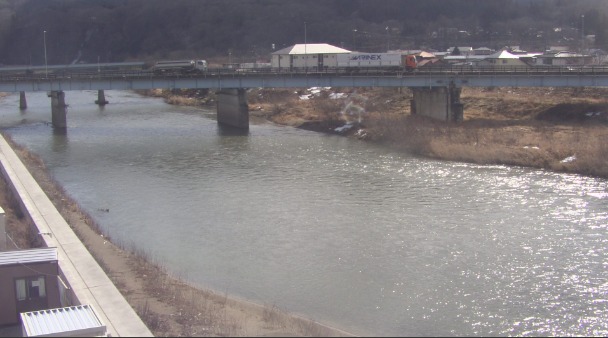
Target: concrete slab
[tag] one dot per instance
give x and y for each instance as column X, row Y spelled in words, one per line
column 11, row 331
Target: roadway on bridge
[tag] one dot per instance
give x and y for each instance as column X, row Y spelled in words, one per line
column 219, row 78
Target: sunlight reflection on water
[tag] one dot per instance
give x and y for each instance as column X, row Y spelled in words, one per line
column 341, row 231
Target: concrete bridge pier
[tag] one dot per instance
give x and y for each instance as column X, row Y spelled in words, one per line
column 22, row 101
column 101, row 98
column 232, row 109
column 440, row 103
column 58, row 109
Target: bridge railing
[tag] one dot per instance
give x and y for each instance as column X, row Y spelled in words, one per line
column 311, row 71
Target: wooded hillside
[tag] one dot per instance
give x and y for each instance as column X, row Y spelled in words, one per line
column 121, row 30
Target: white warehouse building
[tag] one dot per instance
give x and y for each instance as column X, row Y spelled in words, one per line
column 311, row 55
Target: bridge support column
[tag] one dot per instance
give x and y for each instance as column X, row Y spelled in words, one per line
column 22, row 101
column 58, row 109
column 440, row 103
column 232, row 109
column 101, row 98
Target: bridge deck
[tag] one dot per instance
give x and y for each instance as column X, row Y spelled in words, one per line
column 268, row 78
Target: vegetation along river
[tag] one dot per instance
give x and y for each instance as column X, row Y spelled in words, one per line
column 339, row 230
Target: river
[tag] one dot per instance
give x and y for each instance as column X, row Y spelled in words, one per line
column 350, row 234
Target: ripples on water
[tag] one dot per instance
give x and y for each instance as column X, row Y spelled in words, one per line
column 338, row 230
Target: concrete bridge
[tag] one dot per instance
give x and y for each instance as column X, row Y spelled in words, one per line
column 436, row 90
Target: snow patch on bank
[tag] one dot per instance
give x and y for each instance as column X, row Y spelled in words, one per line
column 569, row 159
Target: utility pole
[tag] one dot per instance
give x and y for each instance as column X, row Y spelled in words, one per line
column 582, row 33
column 46, row 66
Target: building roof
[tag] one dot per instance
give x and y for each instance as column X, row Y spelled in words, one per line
column 502, row 54
column 405, row 51
column 429, row 62
column 426, row 55
column 29, row 256
column 312, row 48
column 79, row 320
column 565, row 54
column 465, row 57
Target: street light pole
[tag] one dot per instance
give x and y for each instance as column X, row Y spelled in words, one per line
column 582, row 32
column 46, row 66
column 388, row 39
column 305, row 53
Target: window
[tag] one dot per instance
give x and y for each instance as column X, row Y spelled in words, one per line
column 29, row 288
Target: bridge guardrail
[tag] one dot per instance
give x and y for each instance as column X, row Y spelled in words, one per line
column 335, row 71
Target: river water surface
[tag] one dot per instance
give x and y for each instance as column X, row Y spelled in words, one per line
column 347, row 233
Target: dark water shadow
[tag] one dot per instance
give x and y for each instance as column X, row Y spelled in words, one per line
column 225, row 130
column 60, row 131
column 59, row 141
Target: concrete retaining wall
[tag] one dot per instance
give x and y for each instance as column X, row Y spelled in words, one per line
column 85, row 280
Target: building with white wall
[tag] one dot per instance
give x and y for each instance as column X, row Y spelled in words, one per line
column 502, row 58
column 563, row 58
column 311, row 55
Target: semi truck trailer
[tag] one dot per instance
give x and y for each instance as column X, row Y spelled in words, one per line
column 180, row 66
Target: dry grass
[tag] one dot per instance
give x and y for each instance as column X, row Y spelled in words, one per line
column 536, row 127
column 19, row 231
column 531, row 143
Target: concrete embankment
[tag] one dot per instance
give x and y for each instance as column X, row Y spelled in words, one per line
column 85, row 280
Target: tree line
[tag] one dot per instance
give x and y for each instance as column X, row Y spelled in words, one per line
column 248, row 30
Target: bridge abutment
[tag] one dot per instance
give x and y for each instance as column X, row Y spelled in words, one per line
column 58, row 109
column 440, row 103
column 232, row 108
column 101, row 98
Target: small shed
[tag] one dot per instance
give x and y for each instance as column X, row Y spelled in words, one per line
column 310, row 55
column 563, row 59
column 72, row 321
column 29, row 280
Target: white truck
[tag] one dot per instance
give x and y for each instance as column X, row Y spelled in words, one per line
column 353, row 60
column 180, row 66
